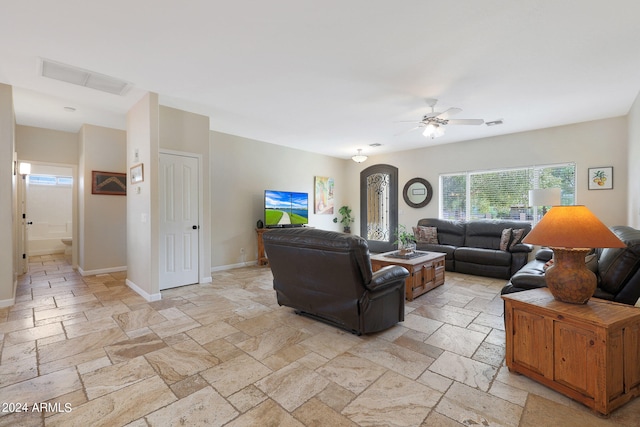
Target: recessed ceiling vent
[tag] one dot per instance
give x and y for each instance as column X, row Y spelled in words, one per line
column 80, row 77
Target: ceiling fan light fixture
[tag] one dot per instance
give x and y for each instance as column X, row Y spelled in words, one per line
column 359, row 158
column 433, row 130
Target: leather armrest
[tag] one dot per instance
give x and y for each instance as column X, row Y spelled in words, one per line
column 521, row 247
column 544, row 254
column 386, row 277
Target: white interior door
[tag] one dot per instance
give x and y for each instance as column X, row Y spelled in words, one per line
column 179, row 222
column 24, row 234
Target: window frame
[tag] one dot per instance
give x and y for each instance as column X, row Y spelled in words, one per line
column 534, row 172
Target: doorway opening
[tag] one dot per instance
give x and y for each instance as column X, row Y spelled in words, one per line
column 48, row 210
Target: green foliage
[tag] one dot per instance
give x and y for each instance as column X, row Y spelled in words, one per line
column 403, row 236
column 346, row 218
column 496, row 194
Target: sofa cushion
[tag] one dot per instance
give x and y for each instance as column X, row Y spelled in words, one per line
column 449, row 232
column 482, row 256
column 487, row 233
column 426, row 234
column 429, row 247
column 617, row 265
column 517, row 234
column 505, row 239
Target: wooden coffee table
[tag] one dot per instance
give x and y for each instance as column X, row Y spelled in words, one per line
column 425, row 271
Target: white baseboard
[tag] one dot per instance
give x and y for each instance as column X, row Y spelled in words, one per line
column 45, row 252
column 7, row 302
column 101, row 271
column 142, row 293
column 206, row 280
column 233, row 266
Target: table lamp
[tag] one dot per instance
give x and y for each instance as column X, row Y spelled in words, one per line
column 571, row 231
column 544, row 197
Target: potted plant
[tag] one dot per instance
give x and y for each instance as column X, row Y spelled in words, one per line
column 346, row 219
column 405, row 240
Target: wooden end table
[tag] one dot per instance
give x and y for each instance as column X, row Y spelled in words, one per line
column 588, row 352
column 425, row 271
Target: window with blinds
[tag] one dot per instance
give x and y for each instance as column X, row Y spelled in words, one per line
column 40, row 179
column 503, row 193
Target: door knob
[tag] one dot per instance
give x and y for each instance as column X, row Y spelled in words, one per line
column 195, row 227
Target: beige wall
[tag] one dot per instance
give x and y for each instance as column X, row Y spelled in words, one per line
column 634, row 165
column 590, row 144
column 185, row 132
column 241, row 169
column 8, row 206
column 46, row 145
column 102, row 218
column 142, row 223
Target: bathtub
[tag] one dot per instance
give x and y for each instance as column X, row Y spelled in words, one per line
column 45, row 238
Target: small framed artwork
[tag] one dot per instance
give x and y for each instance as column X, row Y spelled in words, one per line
column 601, row 178
column 109, row 183
column 323, row 201
column 137, row 174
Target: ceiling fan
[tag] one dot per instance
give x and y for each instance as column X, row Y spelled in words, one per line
column 434, row 123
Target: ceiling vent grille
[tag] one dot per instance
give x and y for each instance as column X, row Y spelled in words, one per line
column 80, row 77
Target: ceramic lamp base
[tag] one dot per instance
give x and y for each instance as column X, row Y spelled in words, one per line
column 569, row 279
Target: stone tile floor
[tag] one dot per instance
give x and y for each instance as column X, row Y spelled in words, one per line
column 88, row 351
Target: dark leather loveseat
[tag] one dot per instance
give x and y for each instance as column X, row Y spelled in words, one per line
column 617, row 269
column 327, row 275
column 473, row 247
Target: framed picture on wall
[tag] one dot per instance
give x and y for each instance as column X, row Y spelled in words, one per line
column 109, row 183
column 601, row 178
column 323, row 200
column 137, row 174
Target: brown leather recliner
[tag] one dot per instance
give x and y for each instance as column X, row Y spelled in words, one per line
column 327, row 276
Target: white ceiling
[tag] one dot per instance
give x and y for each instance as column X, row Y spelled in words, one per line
column 329, row 76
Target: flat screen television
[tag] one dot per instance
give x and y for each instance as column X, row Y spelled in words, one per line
column 285, row 209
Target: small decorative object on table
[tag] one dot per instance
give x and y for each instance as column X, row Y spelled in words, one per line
column 405, row 240
column 346, row 219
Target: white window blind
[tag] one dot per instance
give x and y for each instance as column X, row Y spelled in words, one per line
column 503, row 193
column 40, row 179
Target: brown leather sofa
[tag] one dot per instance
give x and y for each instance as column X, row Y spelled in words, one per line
column 617, row 269
column 327, row 276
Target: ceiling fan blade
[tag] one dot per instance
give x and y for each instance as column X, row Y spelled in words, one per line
column 408, row 130
column 433, row 114
column 465, row 122
column 448, row 113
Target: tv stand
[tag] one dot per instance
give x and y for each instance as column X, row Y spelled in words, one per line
column 262, row 257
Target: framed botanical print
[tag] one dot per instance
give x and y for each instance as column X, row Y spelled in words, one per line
column 601, row 178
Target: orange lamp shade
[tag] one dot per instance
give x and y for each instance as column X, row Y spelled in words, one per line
column 572, row 227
